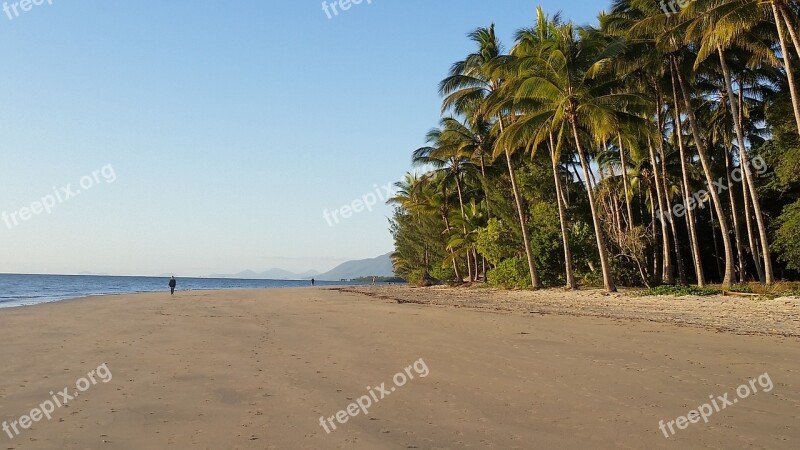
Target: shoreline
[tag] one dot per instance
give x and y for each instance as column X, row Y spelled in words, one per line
column 96, row 296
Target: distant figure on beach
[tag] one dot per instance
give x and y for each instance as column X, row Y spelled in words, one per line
column 313, row 282
column 373, row 281
column 172, row 284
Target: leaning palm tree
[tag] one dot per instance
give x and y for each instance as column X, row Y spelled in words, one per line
column 467, row 88
column 668, row 33
column 714, row 29
column 529, row 44
column 570, row 86
column 643, row 25
column 447, row 157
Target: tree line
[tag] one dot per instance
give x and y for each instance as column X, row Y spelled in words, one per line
column 650, row 148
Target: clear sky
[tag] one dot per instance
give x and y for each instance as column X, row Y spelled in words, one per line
column 211, row 136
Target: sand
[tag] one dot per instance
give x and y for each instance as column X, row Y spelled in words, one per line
column 257, row 370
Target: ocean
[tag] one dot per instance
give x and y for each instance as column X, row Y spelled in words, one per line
column 23, row 290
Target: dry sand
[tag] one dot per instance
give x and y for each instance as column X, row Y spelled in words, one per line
column 257, row 369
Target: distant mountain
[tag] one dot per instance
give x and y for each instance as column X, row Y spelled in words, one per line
column 375, row 267
column 272, row 274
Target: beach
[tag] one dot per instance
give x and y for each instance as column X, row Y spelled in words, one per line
column 256, row 369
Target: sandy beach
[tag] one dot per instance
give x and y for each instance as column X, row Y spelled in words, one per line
column 259, row 369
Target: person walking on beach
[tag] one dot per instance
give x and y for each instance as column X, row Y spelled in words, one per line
column 313, row 282
column 172, row 284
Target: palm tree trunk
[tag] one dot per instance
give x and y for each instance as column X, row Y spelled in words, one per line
column 690, row 219
column 625, row 182
column 750, row 235
column 791, row 27
column 608, row 281
column 745, row 166
column 748, row 222
column 737, row 234
column 485, row 186
column 470, row 272
column 456, row 269
column 663, row 216
column 787, row 64
column 571, row 284
column 703, row 154
column 716, row 245
column 661, row 172
column 528, row 253
column 675, row 242
column 658, row 262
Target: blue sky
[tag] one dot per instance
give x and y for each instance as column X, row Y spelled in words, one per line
column 229, row 127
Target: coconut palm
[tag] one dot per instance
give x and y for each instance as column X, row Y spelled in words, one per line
column 468, row 88
column 569, row 87
column 713, row 29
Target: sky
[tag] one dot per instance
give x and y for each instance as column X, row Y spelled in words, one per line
column 196, row 137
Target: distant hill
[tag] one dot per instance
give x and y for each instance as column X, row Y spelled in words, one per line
column 375, row 267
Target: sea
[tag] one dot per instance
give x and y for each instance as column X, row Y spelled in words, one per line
column 24, row 290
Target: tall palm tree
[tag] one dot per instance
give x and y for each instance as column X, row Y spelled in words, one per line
column 528, row 45
column 569, row 87
column 668, row 33
column 714, row 31
column 468, row 88
column 447, row 157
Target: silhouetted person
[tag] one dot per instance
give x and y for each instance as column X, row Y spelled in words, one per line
column 172, row 284
column 313, row 282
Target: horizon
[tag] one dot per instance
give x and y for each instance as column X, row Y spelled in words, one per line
column 213, row 275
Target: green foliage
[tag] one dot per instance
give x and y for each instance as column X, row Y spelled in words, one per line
column 510, row 274
column 742, row 288
column 787, row 243
column 415, row 276
column 680, row 291
column 494, row 242
column 563, row 88
column 583, row 246
column 783, row 151
column 546, row 244
column 443, row 273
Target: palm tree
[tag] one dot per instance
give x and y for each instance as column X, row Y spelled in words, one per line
column 567, row 87
column 528, row 44
column 447, row 158
column 468, row 88
column 714, row 28
column 668, row 33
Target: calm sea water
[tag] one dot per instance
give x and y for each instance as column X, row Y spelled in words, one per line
column 21, row 290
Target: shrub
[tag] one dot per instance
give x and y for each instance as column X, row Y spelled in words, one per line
column 679, row 291
column 445, row 274
column 510, row 274
column 495, row 241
